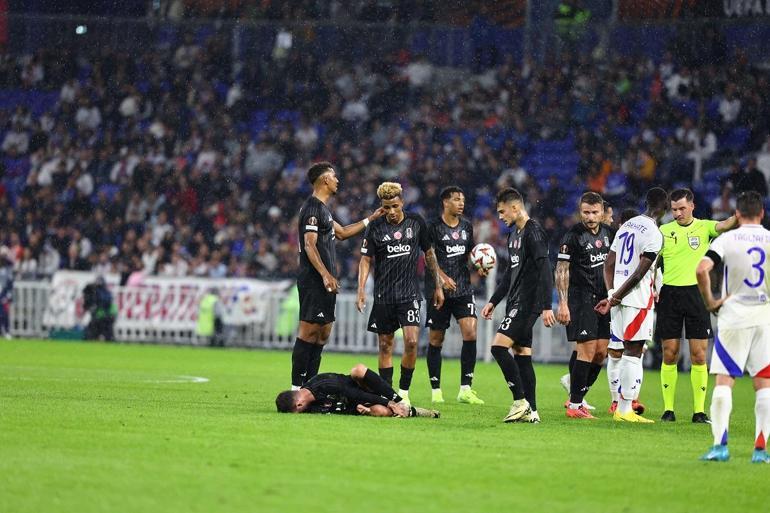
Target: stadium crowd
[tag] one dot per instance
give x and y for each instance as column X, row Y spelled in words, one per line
column 181, row 162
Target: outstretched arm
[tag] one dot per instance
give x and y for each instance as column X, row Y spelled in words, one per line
column 351, row 230
column 726, row 225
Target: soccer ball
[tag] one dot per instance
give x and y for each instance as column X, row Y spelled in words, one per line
column 483, row 256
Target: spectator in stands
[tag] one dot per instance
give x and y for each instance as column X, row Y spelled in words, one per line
column 723, row 205
column 751, row 179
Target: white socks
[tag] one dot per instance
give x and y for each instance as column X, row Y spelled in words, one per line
column 630, row 382
column 721, row 406
column 762, row 413
column 613, row 376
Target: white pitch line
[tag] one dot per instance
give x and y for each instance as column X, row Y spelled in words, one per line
column 180, row 379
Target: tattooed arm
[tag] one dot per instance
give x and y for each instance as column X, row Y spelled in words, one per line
column 561, row 277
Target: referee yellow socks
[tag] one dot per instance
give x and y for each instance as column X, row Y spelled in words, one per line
column 699, row 378
column 668, row 377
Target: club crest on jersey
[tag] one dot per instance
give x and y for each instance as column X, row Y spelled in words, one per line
column 455, row 235
column 694, row 242
column 408, row 233
column 598, row 243
column 397, row 235
column 464, row 235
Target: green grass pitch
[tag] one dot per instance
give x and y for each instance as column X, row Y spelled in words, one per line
column 114, row 428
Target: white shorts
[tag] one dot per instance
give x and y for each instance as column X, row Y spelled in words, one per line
column 736, row 350
column 629, row 323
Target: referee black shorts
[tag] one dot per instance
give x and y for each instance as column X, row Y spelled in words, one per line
column 517, row 325
column 682, row 305
column 387, row 318
column 459, row 307
column 585, row 323
column 316, row 305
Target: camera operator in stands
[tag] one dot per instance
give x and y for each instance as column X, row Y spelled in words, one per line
column 97, row 300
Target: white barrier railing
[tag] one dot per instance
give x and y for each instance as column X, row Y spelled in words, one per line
column 30, row 300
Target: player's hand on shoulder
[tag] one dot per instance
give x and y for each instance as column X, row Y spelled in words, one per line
column 548, row 318
column 562, row 314
column 603, row 306
column 486, row 312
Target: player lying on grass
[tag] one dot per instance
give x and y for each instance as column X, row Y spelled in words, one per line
column 362, row 392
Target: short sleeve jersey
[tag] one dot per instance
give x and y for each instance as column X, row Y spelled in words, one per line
column 315, row 217
column 395, row 249
column 452, row 246
column 744, row 253
column 586, row 253
column 683, row 248
column 635, row 237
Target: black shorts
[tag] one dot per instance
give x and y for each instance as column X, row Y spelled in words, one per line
column 517, row 325
column 585, row 323
column 682, row 305
column 458, row 307
column 387, row 318
column 316, row 305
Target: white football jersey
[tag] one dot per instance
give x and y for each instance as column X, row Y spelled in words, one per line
column 638, row 235
column 744, row 253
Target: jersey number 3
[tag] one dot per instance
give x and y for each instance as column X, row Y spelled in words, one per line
column 758, row 266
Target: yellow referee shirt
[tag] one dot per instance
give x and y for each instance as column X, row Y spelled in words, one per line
column 683, row 248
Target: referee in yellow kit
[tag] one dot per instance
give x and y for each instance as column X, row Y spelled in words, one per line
column 685, row 241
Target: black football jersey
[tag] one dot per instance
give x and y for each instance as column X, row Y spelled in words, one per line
column 528, row 281
column 395, row 250
column 586, row 254
column 453, row 245
column 315, row 217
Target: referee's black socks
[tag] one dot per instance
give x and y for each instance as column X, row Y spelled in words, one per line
column 510, row 370
column 300, row 359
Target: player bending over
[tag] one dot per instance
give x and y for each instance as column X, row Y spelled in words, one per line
column 362, row 392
